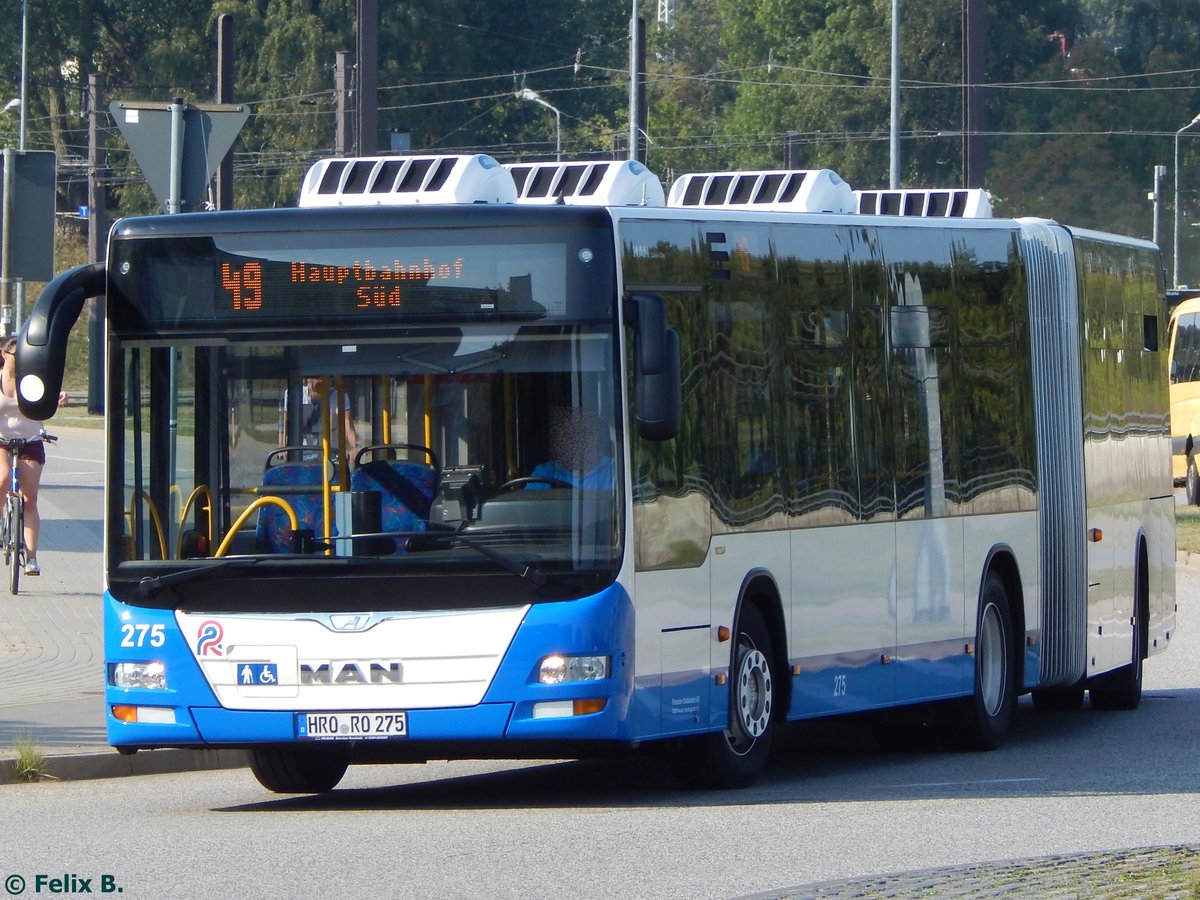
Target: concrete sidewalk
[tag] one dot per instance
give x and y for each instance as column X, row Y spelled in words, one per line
column 51, row 650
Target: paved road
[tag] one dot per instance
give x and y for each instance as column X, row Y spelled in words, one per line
column 51, row 676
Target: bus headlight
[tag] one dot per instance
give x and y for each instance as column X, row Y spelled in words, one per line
column 557, row 669
column 150, row 675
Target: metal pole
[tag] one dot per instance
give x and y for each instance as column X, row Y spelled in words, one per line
column 1175, row 254
column 224, row 180
column 6, row 310
column 97, row 233
column 13, row 310
column 534, row 97
column 175, row 187
column 367, row 87
column 633, row 82
column 1160, row 172
column 894, row 142
column 24, row 57
column 343, row 124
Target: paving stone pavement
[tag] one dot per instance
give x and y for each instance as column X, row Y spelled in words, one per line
column 51, row 690
column 1159, row 872
column 51, row 650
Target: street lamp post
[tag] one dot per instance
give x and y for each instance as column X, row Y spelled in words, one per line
column 894, row 136
column 534, row 97
column 24, row 69
column 1175, row 256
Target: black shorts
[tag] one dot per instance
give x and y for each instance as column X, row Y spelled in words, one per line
column 34, row 450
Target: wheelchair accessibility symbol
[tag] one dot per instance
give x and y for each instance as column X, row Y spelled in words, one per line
column 258, row 673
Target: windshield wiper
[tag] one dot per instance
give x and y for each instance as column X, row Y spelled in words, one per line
column 152, row 584
column 534, row 576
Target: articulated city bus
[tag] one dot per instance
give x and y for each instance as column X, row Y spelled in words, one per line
column 459, row 460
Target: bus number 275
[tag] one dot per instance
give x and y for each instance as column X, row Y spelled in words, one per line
column 143, row 635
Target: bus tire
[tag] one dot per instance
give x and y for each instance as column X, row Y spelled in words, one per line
column 1122, row 689
column 989, row 710
column 736, row 756
column 297, row 770
column 1192, row 484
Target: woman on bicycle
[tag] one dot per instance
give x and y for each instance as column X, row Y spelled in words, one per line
column 31, row 456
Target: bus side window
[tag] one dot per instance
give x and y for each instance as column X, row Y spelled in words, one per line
column 1186, row 361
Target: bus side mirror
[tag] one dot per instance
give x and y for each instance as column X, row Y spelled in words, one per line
column 42, row 343
column 657, row 387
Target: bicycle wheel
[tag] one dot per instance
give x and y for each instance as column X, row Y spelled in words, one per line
column 16, row 524
column 6, row 534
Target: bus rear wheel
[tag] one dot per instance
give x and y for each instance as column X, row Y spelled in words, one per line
column 989, row 711
column 297, row 770
column 735, row 757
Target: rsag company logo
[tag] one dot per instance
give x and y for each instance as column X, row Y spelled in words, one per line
column 209, row 638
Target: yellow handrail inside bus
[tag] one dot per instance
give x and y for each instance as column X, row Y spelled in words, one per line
column 428, row 411
column 254, row 505
column 343, row 439
column 197, row 491
column 162, row 538
column 385, row 392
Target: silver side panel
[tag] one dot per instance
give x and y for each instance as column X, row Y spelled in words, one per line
column 1054, row 325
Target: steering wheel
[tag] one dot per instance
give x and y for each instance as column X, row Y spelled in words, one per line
column 532, row 479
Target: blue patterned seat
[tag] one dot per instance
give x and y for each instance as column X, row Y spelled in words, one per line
column 274, row 531
column 407, row 490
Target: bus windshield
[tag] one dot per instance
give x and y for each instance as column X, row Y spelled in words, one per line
column 482, row 448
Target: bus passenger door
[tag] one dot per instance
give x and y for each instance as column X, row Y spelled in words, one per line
column 673, row 631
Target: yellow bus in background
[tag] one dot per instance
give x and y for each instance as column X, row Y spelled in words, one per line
column 1184, row 361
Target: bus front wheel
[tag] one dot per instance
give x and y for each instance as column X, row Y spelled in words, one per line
column 735, row 757
column 1192, row 484
column 297, row 770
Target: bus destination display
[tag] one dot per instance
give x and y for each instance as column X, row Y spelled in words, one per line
column 361, row 285
column 485, row 281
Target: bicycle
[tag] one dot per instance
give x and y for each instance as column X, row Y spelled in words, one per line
column 12, row 525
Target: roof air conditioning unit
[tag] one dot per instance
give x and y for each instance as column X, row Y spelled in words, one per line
column 956, row 203
column 812, row 190
column 598, row 183
column 406, row 180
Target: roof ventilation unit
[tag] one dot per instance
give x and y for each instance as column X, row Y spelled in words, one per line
column 599, row 183
column 958, row 203
column 813, row 190
column 406, row 180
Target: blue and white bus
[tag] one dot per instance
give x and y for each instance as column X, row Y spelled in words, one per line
column 837, row 460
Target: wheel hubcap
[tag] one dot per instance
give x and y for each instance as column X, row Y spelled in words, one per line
column 991, row 663
column 754, row 699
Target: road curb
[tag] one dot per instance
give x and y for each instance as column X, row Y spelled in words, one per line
column 111, row 764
